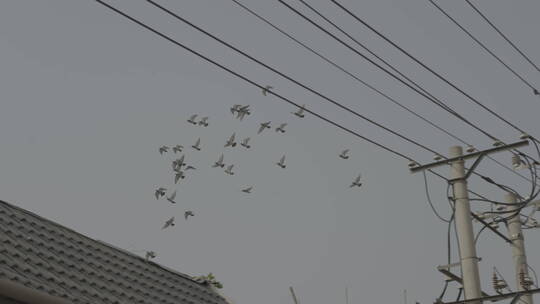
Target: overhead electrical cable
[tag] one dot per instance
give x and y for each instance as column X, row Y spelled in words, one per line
column 421, row 63
column 246, row 79
column 176, row 16
column 373, row 88
column 481, row 44
column 487, row 179
column 250, row 57
column 503, row 35
column 260, row 86
column 253, row 83
column 432, row 71
column 420, row 92
column 403, row 51
column 427, row 67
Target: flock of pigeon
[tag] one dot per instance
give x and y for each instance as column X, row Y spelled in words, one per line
column 180, row 167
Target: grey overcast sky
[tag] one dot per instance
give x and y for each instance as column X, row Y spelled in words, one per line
column 87, row 97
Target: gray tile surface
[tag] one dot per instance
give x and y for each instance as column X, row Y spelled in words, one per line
column 46, row 256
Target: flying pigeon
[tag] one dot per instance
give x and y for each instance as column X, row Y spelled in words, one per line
column 245, row 143
column 197, row 145
column 300, row 112
column 219, row 163
column 242, row 112
column 191, row 120
column 281, row 128
column 172, row 197
column 163, row 149
column 150, row 255
column 266, row 89
column 264, row 125
column 344, row 154
column 248, row 189
column 179, row 175
column 229, row 170
column 235, row 108
column 160, row 192
column 177, row 148
column 281, row 162
column 203, row 122
column 230, row 142
column 188, row 213
column 244, row 109
column 177, row 164
column 169, row 222
column 357, row 182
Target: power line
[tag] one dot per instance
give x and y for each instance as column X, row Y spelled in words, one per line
column 432, row 71
column 504, row 36
column 260, row 86
column 176, row 16
column 257, row 85
column 379, row 66
column 535, row 91
column 246, row 79
column 289, row 77
column 373, row 88
column 433, row 100
column 408, row 55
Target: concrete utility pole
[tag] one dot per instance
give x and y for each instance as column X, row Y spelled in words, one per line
column 518, row 249
column 463, row 216
column 464, row 228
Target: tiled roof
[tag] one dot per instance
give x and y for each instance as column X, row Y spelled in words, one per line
column 48, row 257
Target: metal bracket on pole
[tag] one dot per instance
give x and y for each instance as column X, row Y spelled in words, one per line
column 515, row 299
column 492, row 229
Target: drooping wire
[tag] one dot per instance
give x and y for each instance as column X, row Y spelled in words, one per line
column 503, row 35
column 478, row 234
column 448, row 241
column 459, row 293
column 358, row 79
column 429, row 199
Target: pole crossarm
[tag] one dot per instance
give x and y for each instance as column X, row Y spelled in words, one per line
column 479, row 154
column 515, row 295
